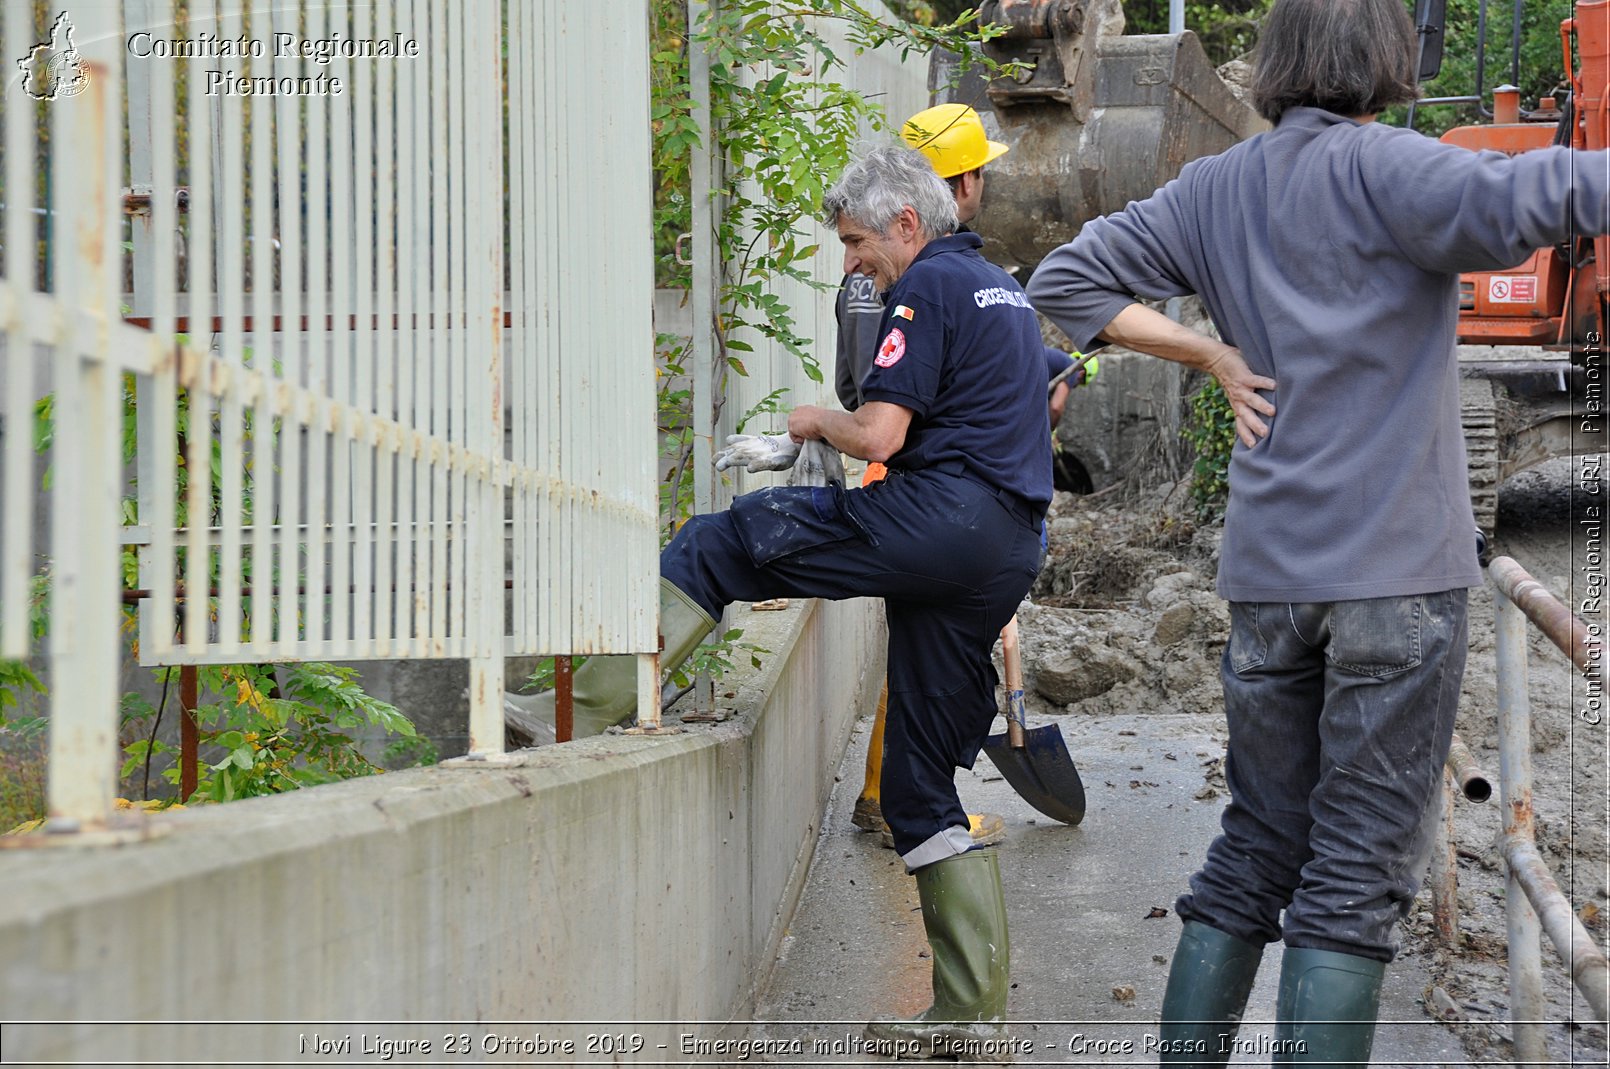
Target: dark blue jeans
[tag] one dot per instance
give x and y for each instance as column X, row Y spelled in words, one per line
column 1340, row 716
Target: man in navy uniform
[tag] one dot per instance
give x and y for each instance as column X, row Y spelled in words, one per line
column 954, row 405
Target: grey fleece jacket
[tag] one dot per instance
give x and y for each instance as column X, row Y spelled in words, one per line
column 1328, row 251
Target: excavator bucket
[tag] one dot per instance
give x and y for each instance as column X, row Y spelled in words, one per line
column 1094, row 119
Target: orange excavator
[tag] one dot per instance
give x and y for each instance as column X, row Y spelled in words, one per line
column 1540, row 392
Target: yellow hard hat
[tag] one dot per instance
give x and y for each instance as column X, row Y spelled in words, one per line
column 952, row 137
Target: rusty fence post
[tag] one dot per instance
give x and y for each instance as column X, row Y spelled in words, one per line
column 1444, row 876
column 1527, row 1007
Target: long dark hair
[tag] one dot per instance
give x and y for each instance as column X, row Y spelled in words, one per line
column 1351, row 57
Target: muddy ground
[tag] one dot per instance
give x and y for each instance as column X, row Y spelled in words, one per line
column 1125, row 619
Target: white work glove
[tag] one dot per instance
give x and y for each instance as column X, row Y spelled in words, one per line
column 819, row 464
column 758, row 452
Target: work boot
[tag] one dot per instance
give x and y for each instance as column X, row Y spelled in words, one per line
column 868, row 815
column 1325, row 1012
column 964, row 914
column 1208, row 984
column 605, row 688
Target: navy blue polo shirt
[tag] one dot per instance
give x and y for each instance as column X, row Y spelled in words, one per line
column 959, row 345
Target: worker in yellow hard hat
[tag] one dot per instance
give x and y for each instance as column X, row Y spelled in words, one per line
column 952, row 138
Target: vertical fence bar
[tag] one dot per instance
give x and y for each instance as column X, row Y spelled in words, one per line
column 485, row 184
column 82, row 782
column 197, row 377
column 705, row 267
column 386, row 342
column 458, row 411
column 546, row 80
column 1528, row 1008
column 265, row 438
column 318, row 351
column 288, row 143
column 410, row 161
column 343, row 355
column 520, row 388
column 430, row 599
column 425, row 191
column 158, row 621
column 230, row 281
column 147, row 398
column 363, row 490
column 16, row 531
column 568, row 529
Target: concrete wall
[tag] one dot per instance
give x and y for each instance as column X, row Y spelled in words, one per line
column 616, row 879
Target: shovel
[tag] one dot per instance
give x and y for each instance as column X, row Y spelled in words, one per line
column 1036, row 763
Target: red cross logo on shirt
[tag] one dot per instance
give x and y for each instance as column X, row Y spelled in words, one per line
column 892, row 349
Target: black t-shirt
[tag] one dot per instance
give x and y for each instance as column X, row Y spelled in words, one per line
column 960, row 347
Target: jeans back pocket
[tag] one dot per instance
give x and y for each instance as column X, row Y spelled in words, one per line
column 1377, row 636
column 1248, row 648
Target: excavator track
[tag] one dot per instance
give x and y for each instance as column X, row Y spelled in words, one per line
column 1478, row 415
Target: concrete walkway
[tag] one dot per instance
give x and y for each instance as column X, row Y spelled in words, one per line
column 1090, row 937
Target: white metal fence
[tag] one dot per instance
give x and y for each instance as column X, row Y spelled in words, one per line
column 330, row 344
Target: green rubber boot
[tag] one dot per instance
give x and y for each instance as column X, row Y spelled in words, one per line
column 964, row 913
column 605, row 688
column 1208, row 984
column 1325, row 1012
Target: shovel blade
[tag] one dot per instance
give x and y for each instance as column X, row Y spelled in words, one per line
column 1042, row 772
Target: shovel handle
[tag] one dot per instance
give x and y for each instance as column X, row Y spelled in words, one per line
column 1013, row 656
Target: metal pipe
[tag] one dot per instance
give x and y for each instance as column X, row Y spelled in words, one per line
column 1176, row 16
column 1527, row 1007
column 189, row 732
column 564, row 700
column 1444, row 876
column 1589, row 970
column 1473, row 782
column 1481, row 58
column 1552, row 617
column 1518, row 12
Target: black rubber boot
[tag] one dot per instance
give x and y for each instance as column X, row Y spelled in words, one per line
column 964, row 913
column 605, row 688
column 1326, row 1010
column 1208, row 984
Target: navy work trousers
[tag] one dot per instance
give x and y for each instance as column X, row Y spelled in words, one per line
column 950, row 557
column 1340, row 716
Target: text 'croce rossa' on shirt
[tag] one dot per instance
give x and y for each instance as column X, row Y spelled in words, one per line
column 960, row 347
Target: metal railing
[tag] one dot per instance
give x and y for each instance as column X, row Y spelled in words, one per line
column 370, row 428
column 1533, row 901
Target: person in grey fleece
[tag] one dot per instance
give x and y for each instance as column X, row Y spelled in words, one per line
column 1328, row 252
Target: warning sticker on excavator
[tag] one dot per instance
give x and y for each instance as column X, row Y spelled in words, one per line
column 1513, row 289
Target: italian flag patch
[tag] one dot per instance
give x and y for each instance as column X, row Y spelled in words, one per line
column 904, row 312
